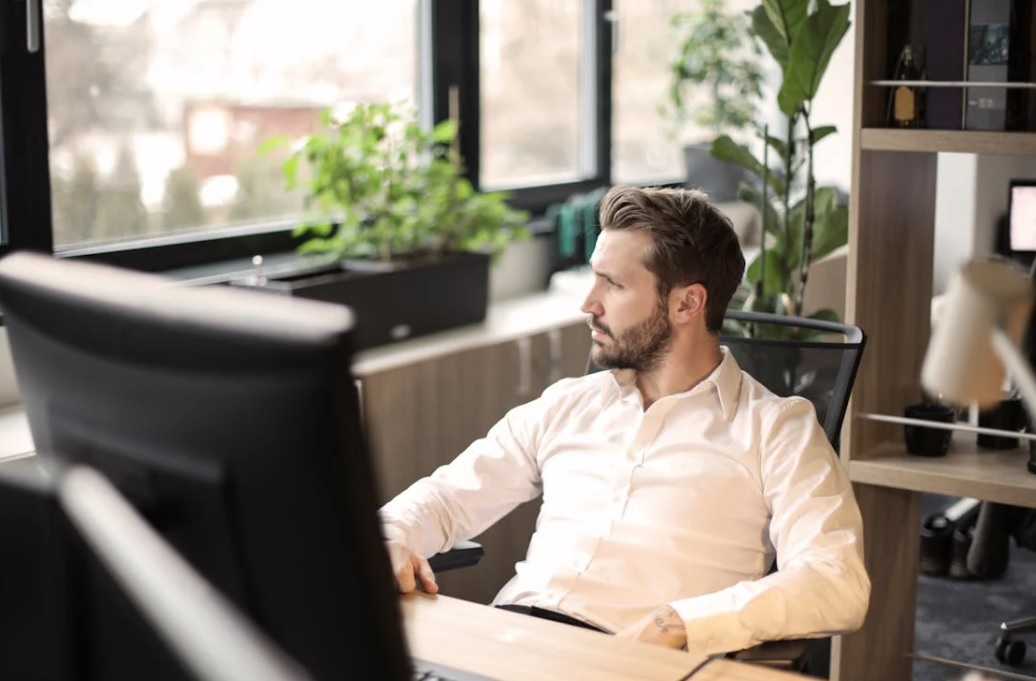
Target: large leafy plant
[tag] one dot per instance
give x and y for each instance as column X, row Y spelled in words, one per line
column 716, row 78
column 801, row 222
column 378, row 185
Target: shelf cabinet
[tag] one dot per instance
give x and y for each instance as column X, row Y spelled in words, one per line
column 966, row 471
column 889, row 291
column 956, row 141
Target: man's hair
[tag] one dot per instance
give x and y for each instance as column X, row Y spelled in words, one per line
column 693, row 241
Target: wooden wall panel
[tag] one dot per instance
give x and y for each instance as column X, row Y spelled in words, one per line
column 889, row 287
column 881, row 649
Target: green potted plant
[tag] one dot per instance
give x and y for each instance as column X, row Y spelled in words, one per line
column 716, row 83
column 801, row 221
column 409, row 239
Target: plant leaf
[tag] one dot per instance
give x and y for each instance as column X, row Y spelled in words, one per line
column 826, row 315
column 830, row 230
column 773, row 282
column 822, row 132
column 810, row 52
column 779, row 146
column 772, row 37
column 791, row 243
column 750, row 193
column 726, row 149
column 786, row 16
column 272, row 143
column 444, row 132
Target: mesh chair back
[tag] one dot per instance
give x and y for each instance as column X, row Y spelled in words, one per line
column 810, row 358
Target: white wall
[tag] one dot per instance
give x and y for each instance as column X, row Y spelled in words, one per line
column 971, row 196
column 955, row 199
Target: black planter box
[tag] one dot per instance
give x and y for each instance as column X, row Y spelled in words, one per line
column 394, row 302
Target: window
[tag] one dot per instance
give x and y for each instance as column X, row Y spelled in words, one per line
column 647, row 144
column 131, row 135
column 535, row 109
column 156, row 109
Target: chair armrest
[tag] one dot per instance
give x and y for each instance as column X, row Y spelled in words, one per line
column 463, row 554
column 790, row 655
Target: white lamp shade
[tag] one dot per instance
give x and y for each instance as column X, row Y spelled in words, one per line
column 961, row 366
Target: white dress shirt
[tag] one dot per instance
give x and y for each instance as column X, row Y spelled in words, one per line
column 685, row 503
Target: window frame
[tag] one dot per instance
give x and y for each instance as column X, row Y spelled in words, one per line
column 448, row 34
column 25, row 207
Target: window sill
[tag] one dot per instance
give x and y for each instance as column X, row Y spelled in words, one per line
column 15, row 438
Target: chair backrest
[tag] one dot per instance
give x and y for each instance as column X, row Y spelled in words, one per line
column 810, row 358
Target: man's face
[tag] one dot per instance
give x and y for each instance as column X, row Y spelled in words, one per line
column 630, row 326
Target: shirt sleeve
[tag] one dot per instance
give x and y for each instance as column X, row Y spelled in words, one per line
column 821, row 586
column 490, row 478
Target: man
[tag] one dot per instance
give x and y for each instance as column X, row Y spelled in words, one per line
column 670, row 482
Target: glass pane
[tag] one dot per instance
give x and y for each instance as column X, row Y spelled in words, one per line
column 157, row 108
column 646, row 142
column 532, row 110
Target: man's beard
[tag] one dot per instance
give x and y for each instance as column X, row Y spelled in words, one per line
column 639, row 348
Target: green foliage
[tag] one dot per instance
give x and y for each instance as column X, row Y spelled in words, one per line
column 259, row 195
column 75, row 201
column 182, row 202
column 801, row 222
column 120, row 212
column 718, row 52
column 378, row 185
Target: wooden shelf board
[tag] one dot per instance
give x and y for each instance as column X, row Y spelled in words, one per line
column 958, row 141
column 965, row 471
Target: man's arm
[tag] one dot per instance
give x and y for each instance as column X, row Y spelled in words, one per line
column 821, row 586
column 465, row 497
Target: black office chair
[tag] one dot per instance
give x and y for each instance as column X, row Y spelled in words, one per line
column 810, row 358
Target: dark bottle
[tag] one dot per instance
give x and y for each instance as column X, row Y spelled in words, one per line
column 906, row 99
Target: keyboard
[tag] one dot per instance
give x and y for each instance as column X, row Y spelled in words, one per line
column 428, row 671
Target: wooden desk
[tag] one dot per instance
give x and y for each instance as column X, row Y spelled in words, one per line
column 512, row 647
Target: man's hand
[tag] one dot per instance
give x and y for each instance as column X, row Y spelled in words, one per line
column 410, row 569
column 663, row 627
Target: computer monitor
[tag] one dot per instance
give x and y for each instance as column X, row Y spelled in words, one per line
column 80, row 558
column 230, row 420
column 1021, row 220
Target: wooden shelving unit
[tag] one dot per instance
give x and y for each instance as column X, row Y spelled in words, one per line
column 957, row 141
column 966, row 471
column 888, row 294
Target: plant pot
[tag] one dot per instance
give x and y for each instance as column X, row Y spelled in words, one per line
column 399, row 300
column 704, row 171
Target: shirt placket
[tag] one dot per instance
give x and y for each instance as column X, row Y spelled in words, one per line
column 647, row 428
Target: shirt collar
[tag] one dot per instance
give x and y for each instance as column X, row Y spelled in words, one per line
column 725, row 378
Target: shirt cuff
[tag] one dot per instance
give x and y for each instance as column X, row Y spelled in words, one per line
column 713, row 624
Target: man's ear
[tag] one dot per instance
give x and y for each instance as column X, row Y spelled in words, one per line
column 690, row 302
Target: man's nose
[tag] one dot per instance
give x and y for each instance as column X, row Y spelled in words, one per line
column 590, row 305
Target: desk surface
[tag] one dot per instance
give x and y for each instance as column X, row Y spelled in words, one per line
column 511, row 647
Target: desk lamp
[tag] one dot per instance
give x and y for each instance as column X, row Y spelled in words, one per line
column 985, row 315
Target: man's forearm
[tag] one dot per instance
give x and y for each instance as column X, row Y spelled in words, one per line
column 799, row 603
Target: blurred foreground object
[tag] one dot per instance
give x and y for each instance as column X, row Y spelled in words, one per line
column 983, row 319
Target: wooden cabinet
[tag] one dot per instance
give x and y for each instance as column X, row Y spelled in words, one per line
column 422, row 414
column 889, row 290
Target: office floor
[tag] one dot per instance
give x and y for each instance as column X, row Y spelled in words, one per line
column 959, row 620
